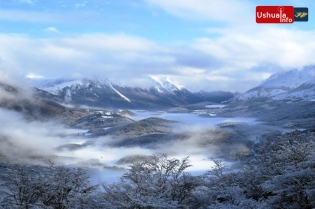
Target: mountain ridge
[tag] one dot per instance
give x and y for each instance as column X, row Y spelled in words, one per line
column 164, row 93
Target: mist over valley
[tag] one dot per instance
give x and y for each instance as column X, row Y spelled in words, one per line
column 154, row 104
column 41, row 125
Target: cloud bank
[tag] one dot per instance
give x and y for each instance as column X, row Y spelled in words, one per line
column 218, row 63
column 232, row 48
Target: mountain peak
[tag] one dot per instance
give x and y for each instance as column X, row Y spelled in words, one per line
column 290, row 79
column 293, row 83
column 164, row 84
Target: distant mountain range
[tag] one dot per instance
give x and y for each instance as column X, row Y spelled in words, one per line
column 293, row 84
column 163, row 93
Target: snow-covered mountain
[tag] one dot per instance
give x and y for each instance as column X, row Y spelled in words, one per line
column 54, row 86
column 165, row 84
column 306, row 91
column 103, row 93
column 298, row 84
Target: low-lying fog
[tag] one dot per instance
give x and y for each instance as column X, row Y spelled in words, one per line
column 36, row 142
column 189, row 118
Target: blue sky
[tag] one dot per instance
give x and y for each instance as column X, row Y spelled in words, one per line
column 137, row 18
column 201, row 44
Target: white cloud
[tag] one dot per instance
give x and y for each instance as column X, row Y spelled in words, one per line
column 77, row 6
column 118, row 57
column 71, row 17
column 245, row 55
column 19, row 15
column 239, row 51
column 52, row 30
column 104, row 42
column 255, row 45
column 34, row 76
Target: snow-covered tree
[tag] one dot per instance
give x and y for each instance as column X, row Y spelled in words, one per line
column 156, row 183
column 286, row 167
column 282, row 175
column 55, row 187
column 23, row 187
column 67, row 188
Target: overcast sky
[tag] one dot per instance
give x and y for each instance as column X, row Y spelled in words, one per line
column 201, row 44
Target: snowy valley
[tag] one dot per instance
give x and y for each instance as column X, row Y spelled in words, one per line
column 112, row 131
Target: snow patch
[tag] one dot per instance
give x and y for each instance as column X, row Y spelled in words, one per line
column 55, row 87
column 120, row 94
column 68, row 96
column 107, row 116
column 164, row 84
